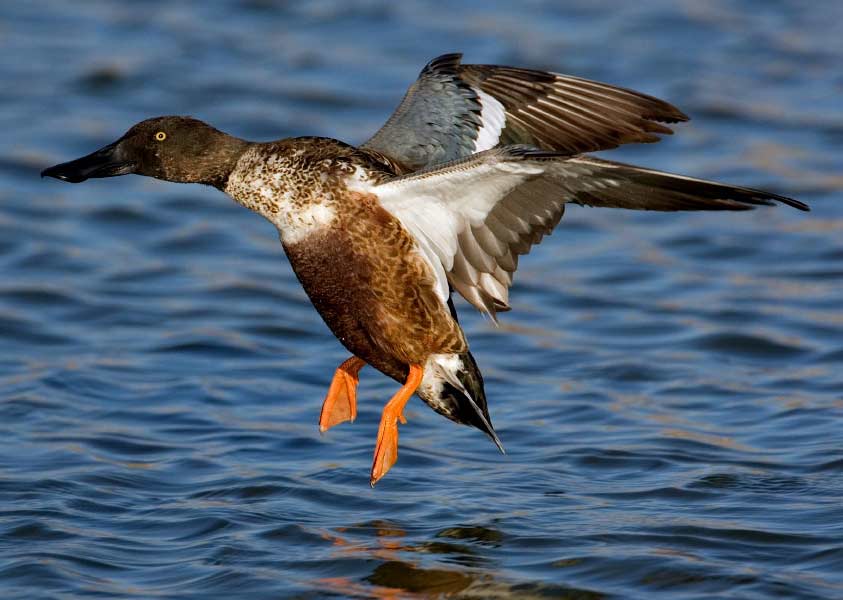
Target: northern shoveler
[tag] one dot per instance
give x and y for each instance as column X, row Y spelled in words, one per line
column 473, row 168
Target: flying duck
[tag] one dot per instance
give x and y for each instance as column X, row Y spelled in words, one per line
column 473, row 168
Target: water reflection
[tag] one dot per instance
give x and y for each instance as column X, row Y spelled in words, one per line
column 404, row 567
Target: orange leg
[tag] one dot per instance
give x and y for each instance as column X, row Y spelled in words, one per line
column 386, row 450
column 341, row 402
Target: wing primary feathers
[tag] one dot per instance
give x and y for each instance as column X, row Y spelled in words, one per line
column 441, row 117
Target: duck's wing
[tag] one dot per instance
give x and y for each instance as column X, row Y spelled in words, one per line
column 473, row 217
column 455, row 110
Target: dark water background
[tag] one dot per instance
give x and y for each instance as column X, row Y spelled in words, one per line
column 669, row 387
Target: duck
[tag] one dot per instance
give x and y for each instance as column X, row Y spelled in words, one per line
column 475, row 166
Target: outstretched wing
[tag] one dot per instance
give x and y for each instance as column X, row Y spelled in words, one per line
column 473, row 217
column 455, row 110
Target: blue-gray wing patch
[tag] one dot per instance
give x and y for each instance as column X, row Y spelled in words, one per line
column 455, row 110
column 437, row 121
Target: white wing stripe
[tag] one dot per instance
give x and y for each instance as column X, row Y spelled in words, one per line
column 493, row 117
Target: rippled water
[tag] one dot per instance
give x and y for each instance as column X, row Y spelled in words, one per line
column 669, row 387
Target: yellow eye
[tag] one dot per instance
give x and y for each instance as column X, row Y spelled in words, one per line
column 160, row 136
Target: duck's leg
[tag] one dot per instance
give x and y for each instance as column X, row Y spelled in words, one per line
column 386, row 450
column 341, row 402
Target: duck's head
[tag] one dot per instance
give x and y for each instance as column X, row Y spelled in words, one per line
column 180, row 149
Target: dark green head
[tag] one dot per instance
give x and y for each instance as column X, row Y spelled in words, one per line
column 180, row 149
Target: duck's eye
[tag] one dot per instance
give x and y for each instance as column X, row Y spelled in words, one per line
column 160, row 136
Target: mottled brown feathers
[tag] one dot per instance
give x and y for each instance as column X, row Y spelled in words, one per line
column 364, row 275
column 358, row 264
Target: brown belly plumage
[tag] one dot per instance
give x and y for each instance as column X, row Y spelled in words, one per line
column 373, row 289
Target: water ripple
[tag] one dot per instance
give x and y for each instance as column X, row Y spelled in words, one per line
column 668, row 387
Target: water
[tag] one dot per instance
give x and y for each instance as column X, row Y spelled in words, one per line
column 669, row 387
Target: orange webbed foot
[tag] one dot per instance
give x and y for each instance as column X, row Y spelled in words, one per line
column 340, row 404
column 386, row 449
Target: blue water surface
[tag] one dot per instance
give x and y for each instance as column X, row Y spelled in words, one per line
column 669, row 387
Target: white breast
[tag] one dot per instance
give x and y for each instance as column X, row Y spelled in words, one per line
column 296, row 223
column 262, row 183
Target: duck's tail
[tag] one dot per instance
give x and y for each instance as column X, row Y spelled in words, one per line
column 453, row 387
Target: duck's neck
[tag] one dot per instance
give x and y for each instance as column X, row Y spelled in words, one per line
column 216, row 166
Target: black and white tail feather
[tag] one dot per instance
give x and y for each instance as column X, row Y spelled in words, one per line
column 458, row 393
column 453, row 387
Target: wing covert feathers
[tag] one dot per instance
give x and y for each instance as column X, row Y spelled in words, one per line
column 474, row 217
